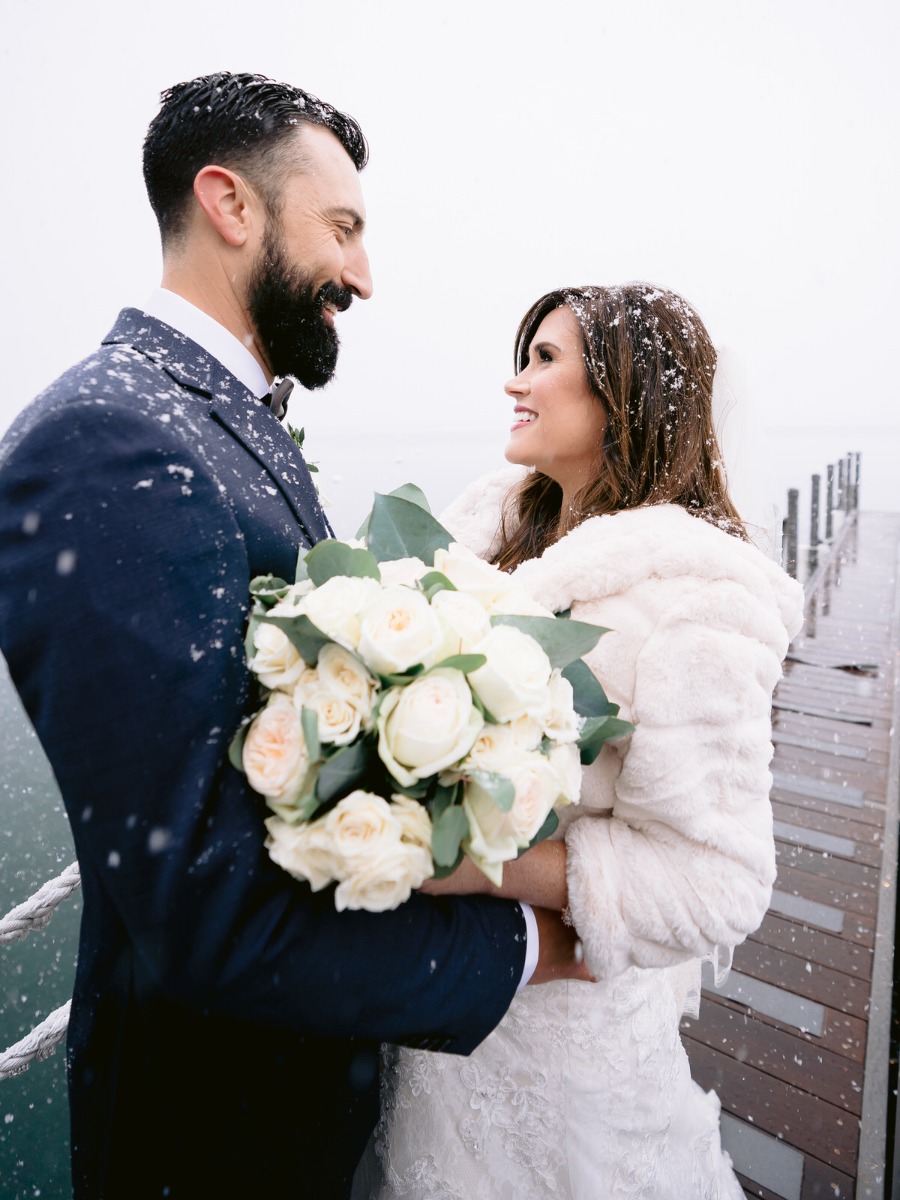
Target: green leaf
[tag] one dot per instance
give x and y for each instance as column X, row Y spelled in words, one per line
column 563, row 641
column 304, row 636
column 461, row 662
column 403, row 678
column 340, row 773
column 309, row 721
column 400, row 528
column 236, row 749
column 598, row 730
column 589, row 697
column 268, row 589
column 330, row 558
column 498, row 787
column 306, row 804
column 301, row 574
column 448, row 831
column 434, row 582
column 548, row 827
column 406, row 491
column 444, row 796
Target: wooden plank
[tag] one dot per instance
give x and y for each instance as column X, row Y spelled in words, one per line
column 841, row 1034
column 831, row 866
column 868, row 814
column 846, row 897
column 867, row 838
column 804, row 1121
column 824, row 1182
column 785, row 1056
column 812, row 981
column 815, row 946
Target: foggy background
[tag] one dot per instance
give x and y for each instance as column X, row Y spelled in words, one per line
column 742, row 154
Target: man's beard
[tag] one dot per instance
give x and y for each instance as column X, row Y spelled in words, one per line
column 287, row 314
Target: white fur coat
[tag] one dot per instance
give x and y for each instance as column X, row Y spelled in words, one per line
column 670, row 852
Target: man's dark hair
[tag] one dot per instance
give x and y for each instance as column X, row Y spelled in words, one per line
column 241, row 122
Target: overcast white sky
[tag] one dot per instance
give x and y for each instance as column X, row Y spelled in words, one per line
column 744, row 154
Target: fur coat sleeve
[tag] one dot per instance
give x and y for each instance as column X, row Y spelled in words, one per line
column 670, row 852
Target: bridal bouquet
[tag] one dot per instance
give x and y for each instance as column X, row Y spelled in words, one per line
column 415, row 706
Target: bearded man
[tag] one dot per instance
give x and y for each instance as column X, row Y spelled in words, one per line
column 226, row 1020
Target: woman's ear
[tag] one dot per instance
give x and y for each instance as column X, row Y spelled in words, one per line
column 228, row 203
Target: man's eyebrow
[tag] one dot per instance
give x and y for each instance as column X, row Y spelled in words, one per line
column 357, row 219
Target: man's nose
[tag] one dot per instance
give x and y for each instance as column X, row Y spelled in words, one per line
column 356, row 275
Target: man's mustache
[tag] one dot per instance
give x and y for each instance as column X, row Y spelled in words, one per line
column 332, row 293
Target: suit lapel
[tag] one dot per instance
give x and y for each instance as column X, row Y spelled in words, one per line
column 233, row 407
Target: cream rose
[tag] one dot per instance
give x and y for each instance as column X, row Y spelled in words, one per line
column 566, row 762
column 472, row 575
column 496, row 748
column 304, row 851
column 384, row 882
column 406, row 571
column 561, row 722
column 274, row 755
column 399, row 630
column 345, row 677
column 463, row 620
column 360, row 826
column 496, row 837
column 415, row 823
column 519, row 603
column 277, row 663
column 335, row 607
column 339, row 721
column 513, row 682
column 427, row 725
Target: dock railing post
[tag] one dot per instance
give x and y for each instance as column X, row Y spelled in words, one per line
column 790, row 564
column 829, row 502
column 814, row 524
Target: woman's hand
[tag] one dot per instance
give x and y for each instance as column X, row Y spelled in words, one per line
column 537, row 877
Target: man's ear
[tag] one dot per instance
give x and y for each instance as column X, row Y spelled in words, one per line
column 228, row 203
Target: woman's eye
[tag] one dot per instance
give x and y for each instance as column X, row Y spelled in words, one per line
column 545, row 355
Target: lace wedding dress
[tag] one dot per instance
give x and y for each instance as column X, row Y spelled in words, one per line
column 583, row 1092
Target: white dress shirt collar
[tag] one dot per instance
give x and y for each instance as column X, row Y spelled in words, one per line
column 214, row 338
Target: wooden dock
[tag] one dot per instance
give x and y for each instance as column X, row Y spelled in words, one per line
column 796, row 1043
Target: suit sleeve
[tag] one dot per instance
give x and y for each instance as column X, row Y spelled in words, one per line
column 122, row 603
column 685, row 861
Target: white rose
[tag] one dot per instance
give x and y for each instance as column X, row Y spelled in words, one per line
column 344, row 676
column 513, row 681
column 336, row 605
column 274, row 754
column 495, row 749
column 360, row 827
column 463, row 620
column 290, row 605
column 566, row 762
column 304, row 851
column 386, row 881
column 496, row 837
column 406, row 571
column 399, row 630
column 561, row 722
column 520, row 604
column 339, row 721
column 427, row 725
column 471, row 574
column 306, row 687
column 276, row 663
column 415, row 823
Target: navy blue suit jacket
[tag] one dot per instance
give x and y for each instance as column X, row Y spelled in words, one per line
column 226, row 1020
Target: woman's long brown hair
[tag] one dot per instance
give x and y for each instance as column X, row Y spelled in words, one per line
column 650, row 363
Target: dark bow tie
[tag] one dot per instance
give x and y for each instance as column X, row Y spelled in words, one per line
column 277, row 397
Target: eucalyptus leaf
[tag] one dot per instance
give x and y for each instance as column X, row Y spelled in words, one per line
column 403, row 678
column 330, row 558
column 444, row 796
column 236, row 749
column 301, row 574
column 435, row 581
column 498, row 787
column 447, row 834
column 598, row 730
column 340, row 773
column 400, row 528
column 589, row 697
column 562, row 641
column 461, row 662
column 268, row 589
column 309, row 721
column 442, row 872
column 406, row 491
column 303, row 635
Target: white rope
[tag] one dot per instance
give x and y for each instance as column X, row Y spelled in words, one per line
column 38, row 1044
column 36, row 912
